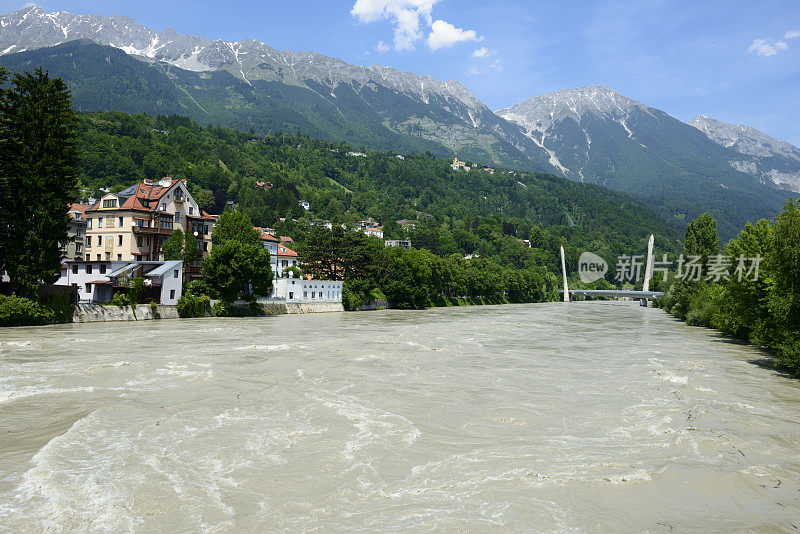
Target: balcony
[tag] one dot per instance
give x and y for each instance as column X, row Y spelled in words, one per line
column 147, row 230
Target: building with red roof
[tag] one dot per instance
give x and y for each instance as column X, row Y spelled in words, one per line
column 134, row 223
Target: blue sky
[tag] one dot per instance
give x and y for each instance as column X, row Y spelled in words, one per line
column 737, row 61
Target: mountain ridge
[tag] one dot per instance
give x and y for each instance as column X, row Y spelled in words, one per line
column 590, row 134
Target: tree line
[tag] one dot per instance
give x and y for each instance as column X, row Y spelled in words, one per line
column 762, row 307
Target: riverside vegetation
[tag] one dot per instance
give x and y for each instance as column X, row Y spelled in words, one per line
column 765, row 311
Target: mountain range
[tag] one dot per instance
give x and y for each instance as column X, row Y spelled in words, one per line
column 590, row 134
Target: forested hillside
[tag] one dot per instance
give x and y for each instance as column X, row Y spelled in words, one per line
column 454, row 211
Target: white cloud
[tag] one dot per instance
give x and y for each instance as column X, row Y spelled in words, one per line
column 481, row 52
column 405, row 15
column 497, row 65
column 473, row 72
column 382, row 47
column 770, row 47
column 443, row 34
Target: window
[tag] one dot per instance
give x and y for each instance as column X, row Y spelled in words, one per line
column 98, row 259
column 121, row 220
column 171, row 294
column 110, row 203
column 88, row 257
column 205, row 246
column 88, row 224
column 175, row 273
column 99, row 241
column 74, row 269
column 88, row 269
column 291, row 295
column 191, row 210
column 205, row 229
column 305, row 294
column 78, row 248
column 102, row 266
column 88, row 288
column 163, row 207
column 119, row 257
column 119, row 240
column 148, row 241
column 313, row 294
column 99, row 222
column 139, row 241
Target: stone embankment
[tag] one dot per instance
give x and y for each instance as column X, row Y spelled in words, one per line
column 98, row 313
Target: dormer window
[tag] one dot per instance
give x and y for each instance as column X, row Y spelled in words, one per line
column 191, row 210
column 110, row 203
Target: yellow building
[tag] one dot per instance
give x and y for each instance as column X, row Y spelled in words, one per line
column 134, row 224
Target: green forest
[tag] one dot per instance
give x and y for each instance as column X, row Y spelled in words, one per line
column 453, row 212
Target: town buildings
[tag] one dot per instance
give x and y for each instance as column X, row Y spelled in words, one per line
column 133, row 225
column 98, row 281
column 74, row 248
column 281, row 256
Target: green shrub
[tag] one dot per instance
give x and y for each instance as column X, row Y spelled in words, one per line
column 190, row 305
column 18, row 311
column 136, row 291
column 222, row 309
column 121, row 300
column 198, row 288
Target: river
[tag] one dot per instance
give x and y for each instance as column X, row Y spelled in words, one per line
column 595, row 416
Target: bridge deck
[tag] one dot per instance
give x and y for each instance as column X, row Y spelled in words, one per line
column 615, row 293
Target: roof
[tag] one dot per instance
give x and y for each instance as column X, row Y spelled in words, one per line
column 165, row 268
column 81, row 208
column 139, row 197
column 285, row 252
column 286, row 239
column 265, row 236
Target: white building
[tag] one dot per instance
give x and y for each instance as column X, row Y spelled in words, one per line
column 300, row 290
column 403, row 243
column 305, row 205
column 281, row 256
column 97, row 281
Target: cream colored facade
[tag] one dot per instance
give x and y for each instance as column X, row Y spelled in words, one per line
column 135, row 223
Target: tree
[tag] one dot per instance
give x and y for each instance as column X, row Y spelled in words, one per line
column 181, row 246
column 38, row 176
column 701, row 236
column 234, row 225
column 173, row 246
column 236, row 269
column 784, row 263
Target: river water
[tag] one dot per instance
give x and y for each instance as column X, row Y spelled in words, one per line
column 557, row 417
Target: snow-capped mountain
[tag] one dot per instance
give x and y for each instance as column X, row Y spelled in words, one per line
column 32, row 28
column 591, row 134
column 756, row 153
column 442, row 112
column 544, row 117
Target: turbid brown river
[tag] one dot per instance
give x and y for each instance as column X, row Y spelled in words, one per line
column 580, row 417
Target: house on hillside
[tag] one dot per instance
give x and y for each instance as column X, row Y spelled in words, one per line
column 402, row 243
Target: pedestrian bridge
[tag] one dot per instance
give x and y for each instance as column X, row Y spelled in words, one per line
column 643, row 296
